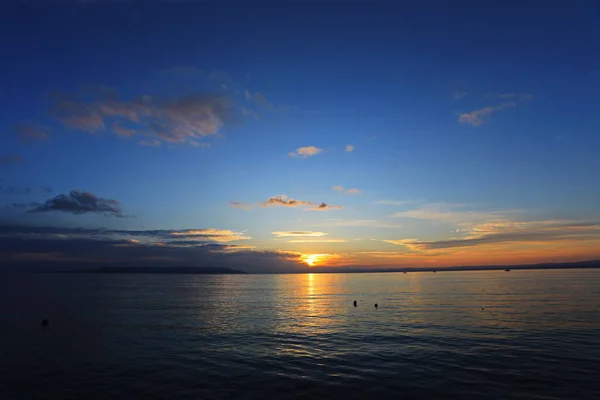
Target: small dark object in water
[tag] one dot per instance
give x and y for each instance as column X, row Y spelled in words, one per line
column 482, row 308
column 404, row 271
column 354, row 303
column 376, row 305
column 507, row 270
column 45, row 323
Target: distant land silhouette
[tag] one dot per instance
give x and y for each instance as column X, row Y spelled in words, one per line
column 157, row 270
column 128, row 269
column 562, row 265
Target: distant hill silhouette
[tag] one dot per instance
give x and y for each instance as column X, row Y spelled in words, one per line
column 562, row 265
column 158, row 270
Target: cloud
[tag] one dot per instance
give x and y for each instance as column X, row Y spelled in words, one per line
column 393, row 202
column 150, row 143
column 542, row 232
column 216, row 235
column 10, row 159
column 178, row 120
column 46, row 189
column 361, row 223
column 349, row 191
column 240, row 205
column 77, row 202
column 317, row 241
column 324, row 207
column 28, row 131
column 459, row 95
column 454, row 213
column 305, row 152
column 475, row 118
column 349, row 148
column 298, row 234
column 284, row 201
column 79, row 248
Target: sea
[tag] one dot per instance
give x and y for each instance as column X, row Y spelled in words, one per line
column 523, row 334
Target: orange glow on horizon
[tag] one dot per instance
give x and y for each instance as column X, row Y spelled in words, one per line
column 314, row 259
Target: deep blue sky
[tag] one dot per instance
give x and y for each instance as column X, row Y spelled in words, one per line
column 460, row 114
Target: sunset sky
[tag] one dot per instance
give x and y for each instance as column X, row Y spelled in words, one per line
column 278, row 136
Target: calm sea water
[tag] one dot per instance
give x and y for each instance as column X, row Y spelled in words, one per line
column 298, row 336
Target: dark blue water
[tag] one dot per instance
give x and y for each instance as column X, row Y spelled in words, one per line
column 298, row 336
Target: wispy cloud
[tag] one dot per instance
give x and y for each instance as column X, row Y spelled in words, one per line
column 475, row 118
column 540, row 232
column 150, row 143
column 459, row 95
column 284, row 201
column 342, row 189
column 324, row 207
column 454, row 213
column 349, row 148
column 240, row 205
column 215, row 235
column 178, row 120
column 371, row 223
column 10, row 159
column 77, row 248
column 32, row 132
column 77, row 202
column 317, row 241
column 305, row 152
column 393, row 202
column 298, row 234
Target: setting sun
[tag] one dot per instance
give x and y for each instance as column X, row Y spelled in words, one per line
column 314, row 259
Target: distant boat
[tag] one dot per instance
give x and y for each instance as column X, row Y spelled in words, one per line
column 434, row 271
column 507, row 270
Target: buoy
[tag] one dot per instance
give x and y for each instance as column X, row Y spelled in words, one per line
column 354, row 303
column 376, row 305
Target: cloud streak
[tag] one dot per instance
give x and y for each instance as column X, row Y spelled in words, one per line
column 324, row 207
column 179, row 120
column 476, row 117
column 541, row 232
column 78, row 202
column 77, row 248
column 280, row 234
column 32, row 132
column 305, row 152
column 349, row 148
column 342, row 189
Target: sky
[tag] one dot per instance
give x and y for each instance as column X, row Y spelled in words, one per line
column 284, row 136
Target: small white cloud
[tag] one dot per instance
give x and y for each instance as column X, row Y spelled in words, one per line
column 349, row 148
column 305, row 152
column 475, row 117
column 338, row 188
column 353, row 191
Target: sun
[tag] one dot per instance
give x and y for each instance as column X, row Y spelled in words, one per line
column 313, row 259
